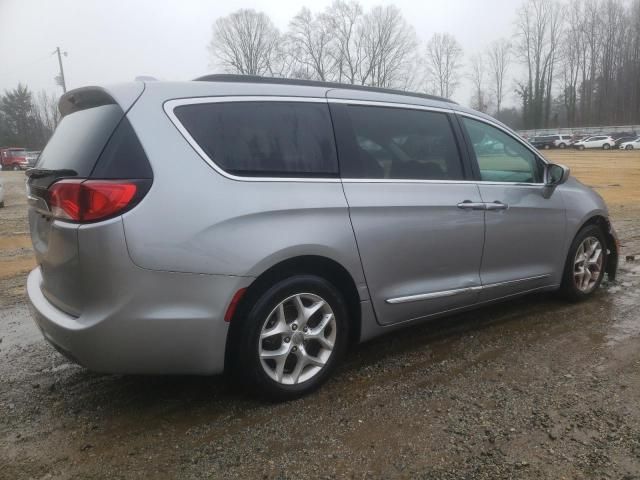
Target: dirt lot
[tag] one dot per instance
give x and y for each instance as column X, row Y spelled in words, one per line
column 534, row 388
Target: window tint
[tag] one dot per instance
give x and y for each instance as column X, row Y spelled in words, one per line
column 501, row 158
column 396, row 143
column 123, row 156
column 288, row 139
column 79, row 139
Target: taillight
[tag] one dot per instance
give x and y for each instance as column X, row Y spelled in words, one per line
column 79, row 200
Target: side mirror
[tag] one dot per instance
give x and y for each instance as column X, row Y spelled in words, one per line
column 556, row 175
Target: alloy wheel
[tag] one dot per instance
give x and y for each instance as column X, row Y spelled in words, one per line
column 587, row 266
column 297, row 339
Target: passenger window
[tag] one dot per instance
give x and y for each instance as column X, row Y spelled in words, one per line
column 276, row 139
column 501, row 158
column 397, row 143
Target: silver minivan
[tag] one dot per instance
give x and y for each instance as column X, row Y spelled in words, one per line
column 262, row 226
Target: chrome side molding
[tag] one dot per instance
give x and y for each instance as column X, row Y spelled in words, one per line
column 459, row 291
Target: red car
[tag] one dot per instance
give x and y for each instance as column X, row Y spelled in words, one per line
column 13, row 158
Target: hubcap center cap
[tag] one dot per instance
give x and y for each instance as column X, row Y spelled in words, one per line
column 297, row 338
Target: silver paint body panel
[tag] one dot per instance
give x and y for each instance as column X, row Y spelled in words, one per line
column 147, row 292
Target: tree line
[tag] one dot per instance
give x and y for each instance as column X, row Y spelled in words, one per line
column 566, row 63
column 574, row 63
column 27, row 120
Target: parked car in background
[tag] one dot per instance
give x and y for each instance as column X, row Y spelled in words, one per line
column 561, row 141
column 630, row 145
column 32, row 157
column 598, row 141
column 576, row 138
column 543, row 143
column 627, row 138
column 13, row 158
column 146, row 266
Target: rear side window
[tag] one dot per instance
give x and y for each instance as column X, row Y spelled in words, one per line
column 79, row 139
column 123, row 157
column 397, row 143
column 275, row 139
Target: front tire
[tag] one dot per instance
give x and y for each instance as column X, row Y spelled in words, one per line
column 629, row 147
column 586, row 264
column 581, row 147
column 562, row 146
column 292, row 338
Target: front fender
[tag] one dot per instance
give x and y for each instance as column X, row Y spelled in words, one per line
column 585, row 206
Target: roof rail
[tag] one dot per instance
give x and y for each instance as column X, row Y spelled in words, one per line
column 233, row 78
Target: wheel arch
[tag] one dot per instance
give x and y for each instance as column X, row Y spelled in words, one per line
column 321, row 266
column 604, row 223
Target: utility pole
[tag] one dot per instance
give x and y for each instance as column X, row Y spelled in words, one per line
column 63, row 84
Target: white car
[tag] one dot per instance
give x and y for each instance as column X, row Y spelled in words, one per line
column 1, row 194
column 630, row 145
column 561, row 141
column 599, row 141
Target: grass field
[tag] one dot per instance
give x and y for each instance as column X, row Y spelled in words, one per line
column 614, row 174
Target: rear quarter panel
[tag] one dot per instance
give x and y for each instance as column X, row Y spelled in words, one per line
column 196, row 220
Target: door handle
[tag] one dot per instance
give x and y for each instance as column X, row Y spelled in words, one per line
column 497, row 206
column 469, row 205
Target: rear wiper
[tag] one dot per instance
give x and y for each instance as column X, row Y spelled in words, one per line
column 47, row 172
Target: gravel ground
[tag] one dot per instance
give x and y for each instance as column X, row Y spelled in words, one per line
column 533, row 388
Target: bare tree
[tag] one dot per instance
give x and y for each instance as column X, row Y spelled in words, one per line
column 388, row 47
column 46, row 110
column 615, row 28
column 499, row 58
column 539, row 26
column 311, row 44
column 245, row 42
column 345, row 20
column 477, row 74
column 572, row 54
column 444, row 55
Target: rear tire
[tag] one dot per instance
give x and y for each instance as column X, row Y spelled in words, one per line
column 606, row 146
column 547, row 147
column 585, row 265
column 281, row 352
column 581, row 147
column 15, row 168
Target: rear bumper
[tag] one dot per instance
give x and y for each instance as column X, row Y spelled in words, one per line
column 172, row 324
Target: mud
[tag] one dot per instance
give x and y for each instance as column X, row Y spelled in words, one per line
column 532, row 388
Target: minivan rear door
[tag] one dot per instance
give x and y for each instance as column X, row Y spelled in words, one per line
column 419, row 224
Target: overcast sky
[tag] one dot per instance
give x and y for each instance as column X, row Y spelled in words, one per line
column 116, row 40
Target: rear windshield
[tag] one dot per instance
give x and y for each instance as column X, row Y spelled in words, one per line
column 283, row 139
column 79, row 139
column 17, row 153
